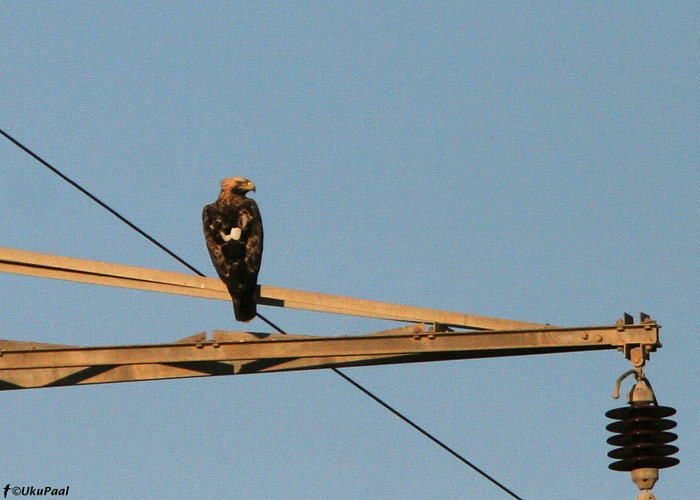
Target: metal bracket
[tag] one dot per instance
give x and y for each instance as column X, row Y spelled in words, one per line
column 637, row 354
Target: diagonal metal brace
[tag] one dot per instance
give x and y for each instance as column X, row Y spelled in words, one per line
column 139, row 278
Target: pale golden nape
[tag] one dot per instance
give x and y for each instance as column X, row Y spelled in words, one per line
column 234, row 182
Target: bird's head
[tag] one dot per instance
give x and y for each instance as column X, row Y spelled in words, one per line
column 237, row 185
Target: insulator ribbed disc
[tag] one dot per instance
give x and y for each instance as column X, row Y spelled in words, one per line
column 640, row 411
column 643, row 463
column 638, row 423
column 642, row 436
column 643, row 450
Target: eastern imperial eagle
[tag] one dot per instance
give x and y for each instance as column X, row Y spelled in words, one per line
column 234, row 235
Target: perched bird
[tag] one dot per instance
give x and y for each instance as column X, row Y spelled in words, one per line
column 234, row 234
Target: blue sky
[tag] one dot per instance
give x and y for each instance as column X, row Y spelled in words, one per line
column 533, row 161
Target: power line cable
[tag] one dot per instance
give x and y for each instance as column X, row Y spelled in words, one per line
column 427, row 434
column 98, row 201
column 270, row 323
column 408, row 421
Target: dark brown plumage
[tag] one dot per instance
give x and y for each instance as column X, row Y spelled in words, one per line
column 234, row 234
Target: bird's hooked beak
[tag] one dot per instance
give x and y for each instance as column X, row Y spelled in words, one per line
column 250, row 186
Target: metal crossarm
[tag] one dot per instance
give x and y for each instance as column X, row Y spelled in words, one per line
column 26, row 365
column 31, row 364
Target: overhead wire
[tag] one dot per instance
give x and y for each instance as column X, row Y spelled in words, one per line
column 263, row 318
column 409, row 421
column 97, row 200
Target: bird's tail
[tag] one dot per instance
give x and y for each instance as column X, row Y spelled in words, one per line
column 245, row 309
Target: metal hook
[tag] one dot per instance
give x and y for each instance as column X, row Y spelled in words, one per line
column 616, row 394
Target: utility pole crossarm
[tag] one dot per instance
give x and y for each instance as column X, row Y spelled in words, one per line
column 26, row 365
column 100, row 273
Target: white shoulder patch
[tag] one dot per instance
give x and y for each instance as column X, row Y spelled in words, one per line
column 234, row 234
